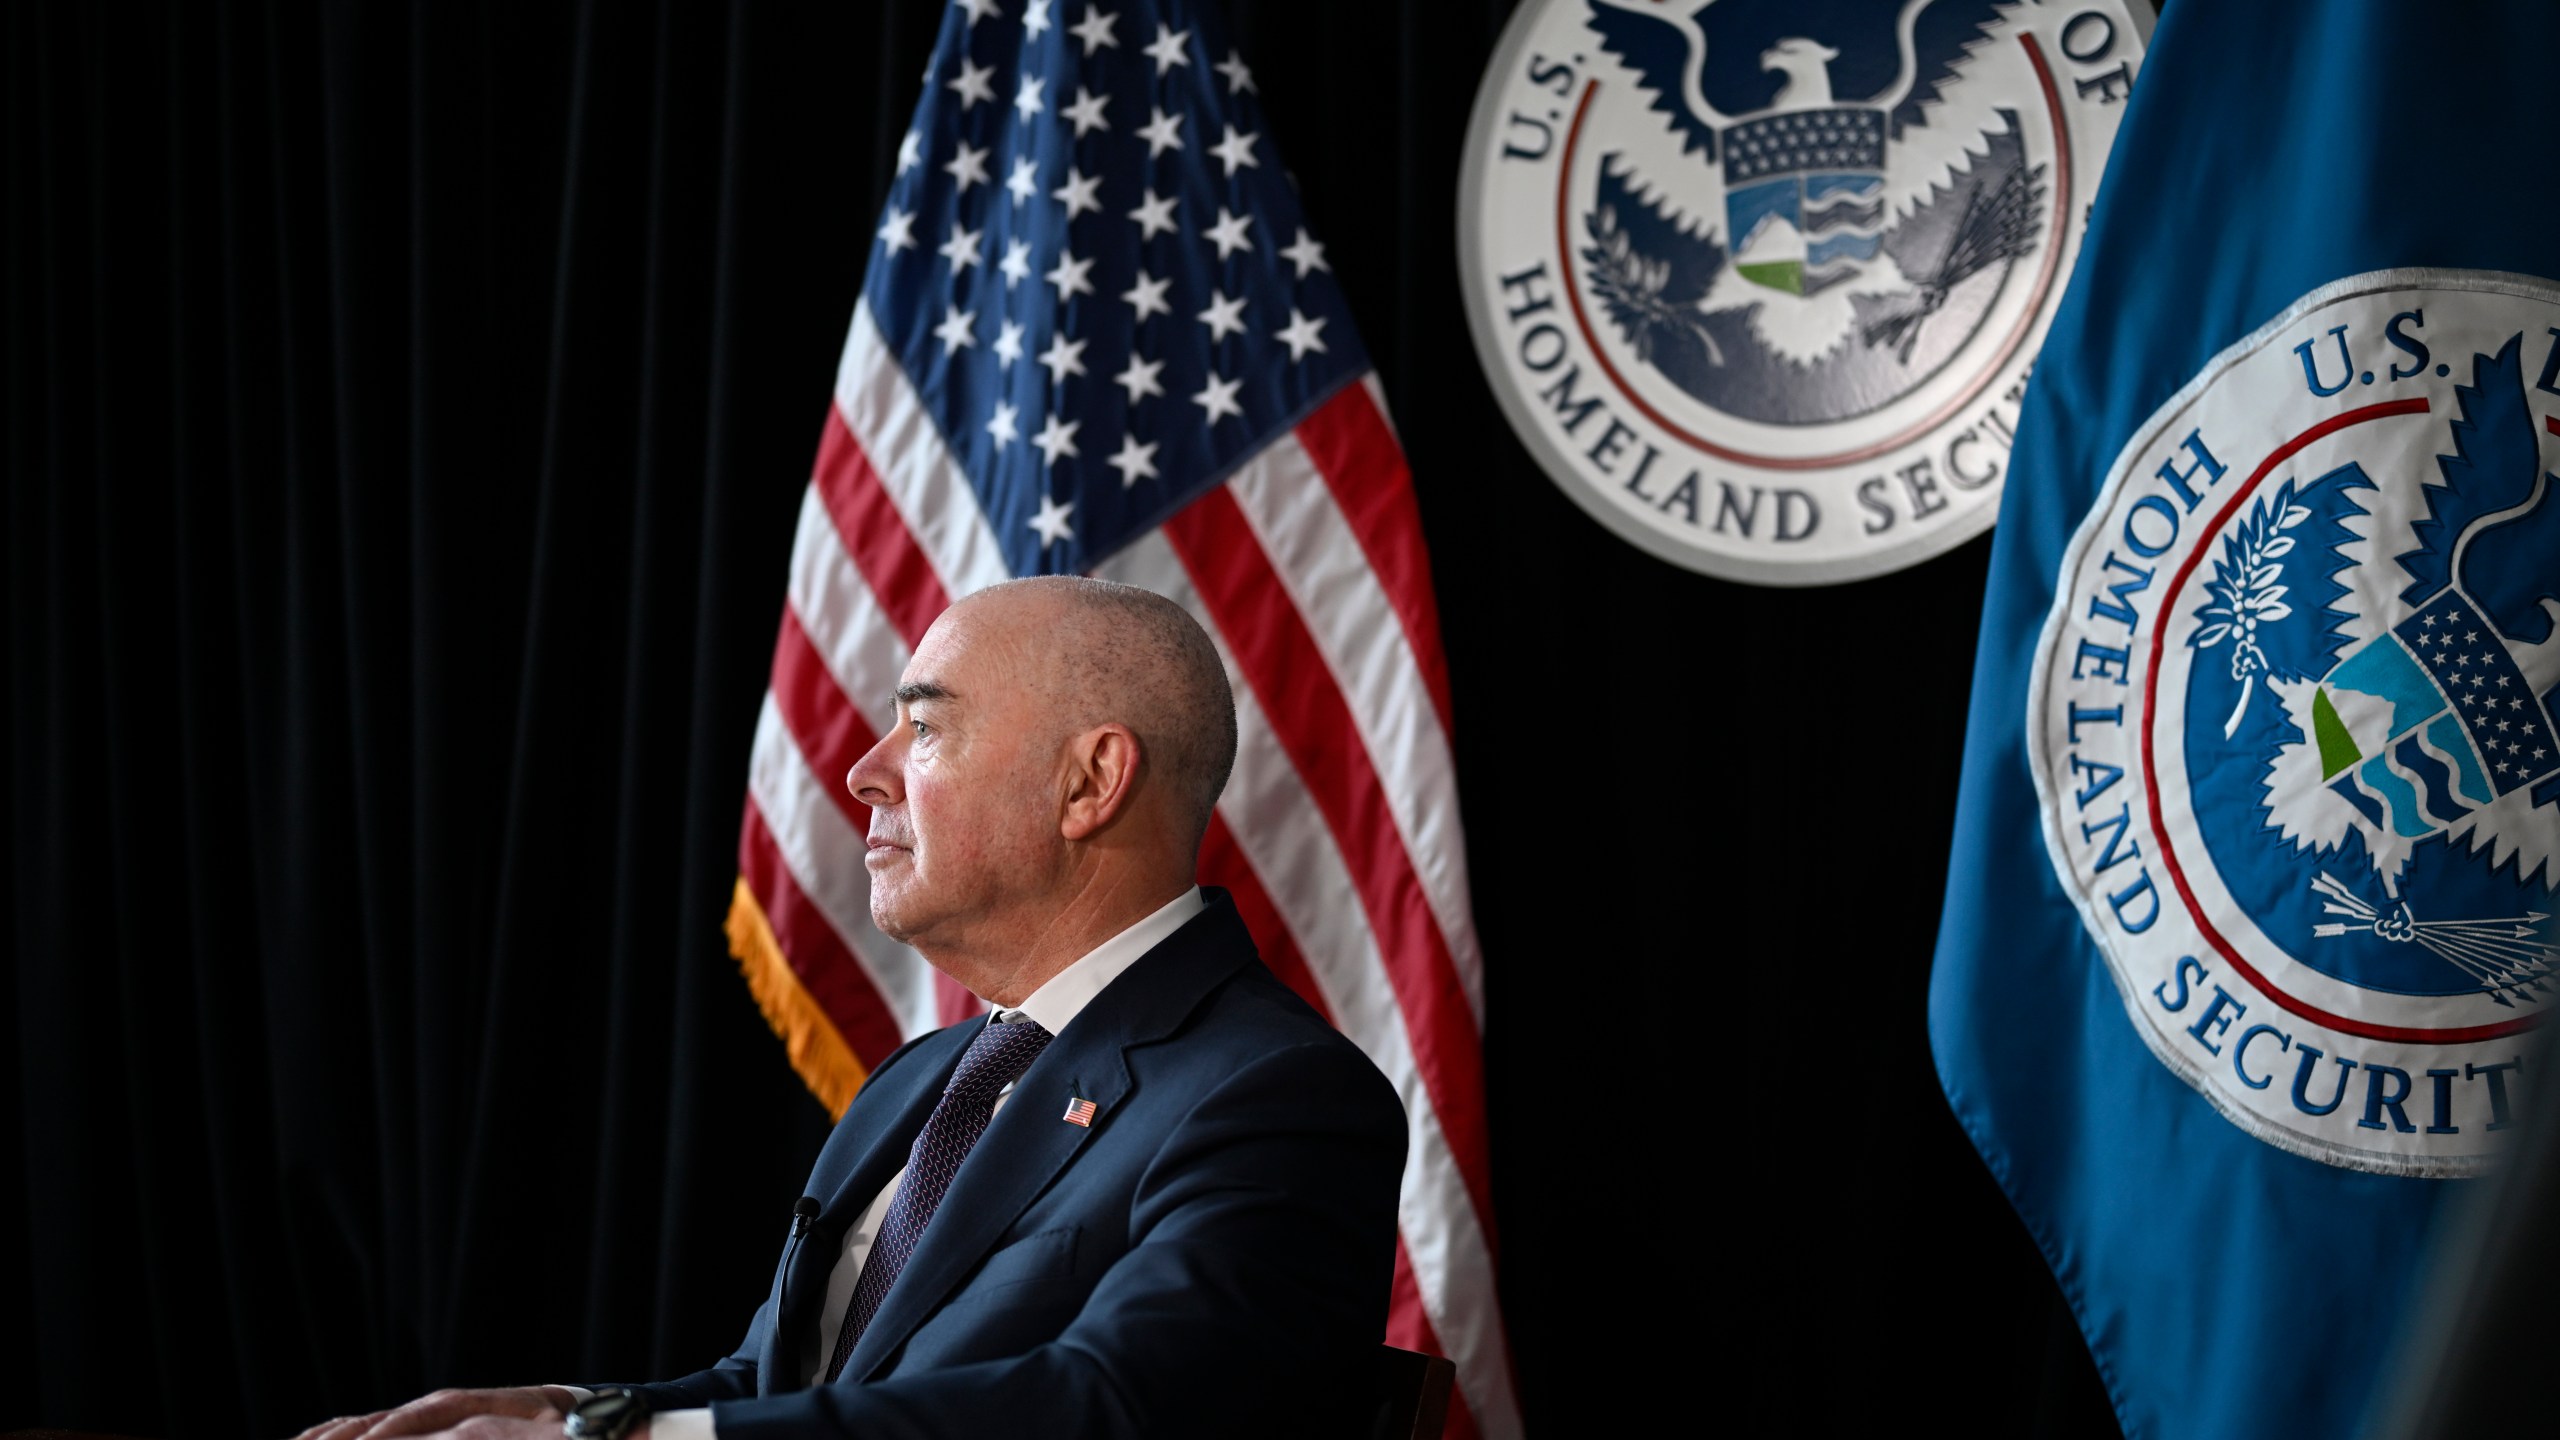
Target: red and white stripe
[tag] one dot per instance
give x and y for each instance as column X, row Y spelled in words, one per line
column 1339, row 834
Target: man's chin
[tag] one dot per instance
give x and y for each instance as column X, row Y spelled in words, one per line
column 892, row 914
column 886, row 922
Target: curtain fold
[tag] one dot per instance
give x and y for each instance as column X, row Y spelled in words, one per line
column 408, row 408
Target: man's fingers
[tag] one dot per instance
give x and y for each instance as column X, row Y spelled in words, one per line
column 427, row 1415
column 345, row 1427
column 443, row 1410
column 447, row 1408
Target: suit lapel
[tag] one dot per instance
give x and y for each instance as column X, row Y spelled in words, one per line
column 1030, row 1143
column 880, row 1129
column 882, row 1151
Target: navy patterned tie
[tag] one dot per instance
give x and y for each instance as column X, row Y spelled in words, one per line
column 996, row 1058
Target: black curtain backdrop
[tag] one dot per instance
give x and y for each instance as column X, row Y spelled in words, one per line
column 408, row 405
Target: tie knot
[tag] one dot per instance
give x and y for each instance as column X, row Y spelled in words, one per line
column 997, row 1057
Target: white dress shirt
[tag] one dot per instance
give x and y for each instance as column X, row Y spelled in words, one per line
column 1054, row 1006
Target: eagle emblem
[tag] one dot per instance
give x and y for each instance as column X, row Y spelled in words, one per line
column 2403, row 723
column 2292, row 718
column 1824, row 247
column 1759, row 282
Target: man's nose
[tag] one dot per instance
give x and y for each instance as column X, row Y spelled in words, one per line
column 874, row 778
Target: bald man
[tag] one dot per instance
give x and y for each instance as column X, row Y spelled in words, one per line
column 1151, row 1192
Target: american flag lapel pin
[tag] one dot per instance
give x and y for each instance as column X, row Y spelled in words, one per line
column 1079, row 1112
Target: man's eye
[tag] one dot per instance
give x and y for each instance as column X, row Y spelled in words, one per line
column 919, row 727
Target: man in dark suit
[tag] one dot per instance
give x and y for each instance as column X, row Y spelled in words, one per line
column 1152, row 1193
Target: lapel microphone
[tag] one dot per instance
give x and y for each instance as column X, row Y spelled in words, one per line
column 803, row 1210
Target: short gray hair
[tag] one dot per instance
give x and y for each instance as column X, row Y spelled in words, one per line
column 1132, row 656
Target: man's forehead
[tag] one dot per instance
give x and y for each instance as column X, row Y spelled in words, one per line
column 941, row 668
column 985, row 641
column 958, row 656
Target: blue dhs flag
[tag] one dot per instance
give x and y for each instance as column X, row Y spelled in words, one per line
column 2249, row 916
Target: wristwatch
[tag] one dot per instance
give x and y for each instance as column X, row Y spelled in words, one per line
column 608, row 1414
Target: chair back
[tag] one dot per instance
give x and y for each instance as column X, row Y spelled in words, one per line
column 1412, row 1396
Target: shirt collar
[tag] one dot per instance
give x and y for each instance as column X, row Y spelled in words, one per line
column 1057, row 1002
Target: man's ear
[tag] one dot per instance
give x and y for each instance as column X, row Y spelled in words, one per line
column 1102, row 771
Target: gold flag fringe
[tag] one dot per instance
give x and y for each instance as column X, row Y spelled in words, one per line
column 817, row 1050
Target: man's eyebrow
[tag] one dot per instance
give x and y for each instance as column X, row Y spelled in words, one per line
column 915, row 690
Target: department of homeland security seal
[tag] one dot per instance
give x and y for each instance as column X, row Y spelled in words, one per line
column 1759, row 283
column 2291, row 718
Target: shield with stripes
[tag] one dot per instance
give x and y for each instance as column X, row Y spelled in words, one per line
column 1804, row 197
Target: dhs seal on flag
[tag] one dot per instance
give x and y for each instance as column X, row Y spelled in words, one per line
column 2292, row 726
column 1759, row 284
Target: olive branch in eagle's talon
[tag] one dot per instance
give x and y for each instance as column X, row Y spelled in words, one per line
column 1631, row 285
column 2248, row 591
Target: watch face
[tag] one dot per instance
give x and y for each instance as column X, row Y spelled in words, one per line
column 602, row 1413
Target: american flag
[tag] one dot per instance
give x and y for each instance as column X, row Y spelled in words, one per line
column 1097, row 335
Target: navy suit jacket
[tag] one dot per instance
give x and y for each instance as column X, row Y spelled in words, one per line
column 1211, row 1256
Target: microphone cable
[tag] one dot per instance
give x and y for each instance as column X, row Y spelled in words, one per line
column 803, row 1211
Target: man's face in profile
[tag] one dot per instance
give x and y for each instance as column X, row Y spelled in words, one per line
column 959, row 789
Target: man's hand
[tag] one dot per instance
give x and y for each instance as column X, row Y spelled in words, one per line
column 502, row 1427
column 543, row 1407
